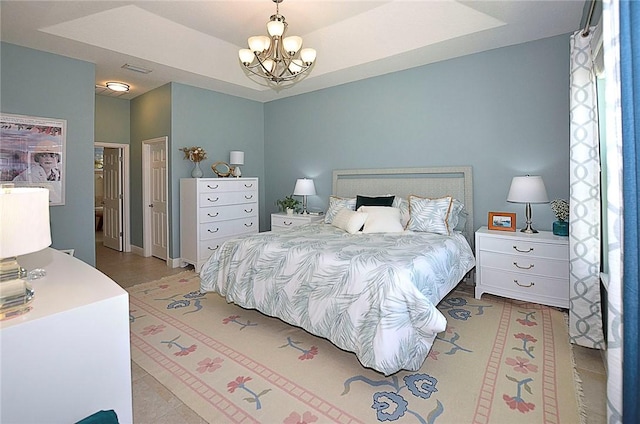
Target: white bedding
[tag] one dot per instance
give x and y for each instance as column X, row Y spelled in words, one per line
column 371, row 294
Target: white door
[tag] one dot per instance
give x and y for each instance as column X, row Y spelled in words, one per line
column 112, row 209
column 157, row 232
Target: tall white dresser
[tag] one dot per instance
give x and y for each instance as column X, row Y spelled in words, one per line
column 213, row 210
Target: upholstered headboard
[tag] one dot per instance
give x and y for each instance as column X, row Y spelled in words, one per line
column 456, row 181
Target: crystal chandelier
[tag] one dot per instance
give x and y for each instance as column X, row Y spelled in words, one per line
column 275, row 57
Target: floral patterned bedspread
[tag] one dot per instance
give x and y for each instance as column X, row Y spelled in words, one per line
column 371, row 294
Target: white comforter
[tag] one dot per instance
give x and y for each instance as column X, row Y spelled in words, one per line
column 371, row 294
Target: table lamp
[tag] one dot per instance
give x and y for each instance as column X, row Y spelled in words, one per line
column 528, row 189
column 24, row 228
column 304, row 187
column 236, row 158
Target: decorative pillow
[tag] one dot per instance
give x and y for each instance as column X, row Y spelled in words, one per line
column 335, row 204
column 348, row 220
column 374, row 201
column 382, row 219
column 457, row 210
column 403, row 205
column 429, row 215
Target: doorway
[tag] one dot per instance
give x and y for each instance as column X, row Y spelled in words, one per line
column 155, row 192
column 111, row 205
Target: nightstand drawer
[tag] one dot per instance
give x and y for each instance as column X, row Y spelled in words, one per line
column 287, row 221
column 527, row 265
column 525, row 247
column 533, row 288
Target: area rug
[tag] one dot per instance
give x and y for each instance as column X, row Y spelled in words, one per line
column 499, row 361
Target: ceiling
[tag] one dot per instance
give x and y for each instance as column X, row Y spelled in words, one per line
column 197, row 42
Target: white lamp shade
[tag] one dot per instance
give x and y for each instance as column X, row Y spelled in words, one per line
column 295, row 66
column 275, row 28
column 528, row 189
column 236, row 158
column 308, row 55
column 24, row 221
column 259, row 43
column 304, row 187
column 246, row 56
column 292, row 44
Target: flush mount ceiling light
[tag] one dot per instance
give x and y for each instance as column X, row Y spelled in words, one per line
column 275, row 57
column 117, row 86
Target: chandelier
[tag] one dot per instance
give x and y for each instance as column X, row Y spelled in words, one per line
column 275, row 57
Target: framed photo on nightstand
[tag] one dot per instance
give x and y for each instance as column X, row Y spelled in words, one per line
column 502, row 221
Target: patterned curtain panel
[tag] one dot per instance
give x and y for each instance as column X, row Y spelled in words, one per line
column 615, row 226
column 585, row 317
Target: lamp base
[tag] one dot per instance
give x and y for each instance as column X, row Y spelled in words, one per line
column 528, row 229
column 15, row 298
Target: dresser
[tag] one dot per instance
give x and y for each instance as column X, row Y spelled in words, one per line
column 281, row 221
column 528, row 267
column 69, row 357
column 213, row 210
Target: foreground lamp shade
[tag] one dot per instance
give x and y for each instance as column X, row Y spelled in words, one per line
column 24, row 221
column 304, row 187
column 528, row 189
column 236, row 158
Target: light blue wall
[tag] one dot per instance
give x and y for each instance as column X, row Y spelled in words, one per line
column 150, row 118
column 46, row 85
column 112, row 120
column 505, row 112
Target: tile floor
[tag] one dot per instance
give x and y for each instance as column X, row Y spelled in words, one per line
column 154, row 404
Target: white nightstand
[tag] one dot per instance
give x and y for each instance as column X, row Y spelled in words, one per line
column 529, row 267
column 281, row 221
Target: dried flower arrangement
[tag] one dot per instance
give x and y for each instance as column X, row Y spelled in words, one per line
column 560, row 208
column 194, row 154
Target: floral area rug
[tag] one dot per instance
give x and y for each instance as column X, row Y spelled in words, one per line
column 499, row 361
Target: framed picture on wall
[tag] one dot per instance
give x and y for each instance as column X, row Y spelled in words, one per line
column 32, row 153
column 502, row 221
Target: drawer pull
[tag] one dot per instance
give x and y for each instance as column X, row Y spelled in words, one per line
column 523, row 267
column 523, row 251
column 214, row 187
column 248, row 197
column 248, row 185
column 213, row 216
column 214, row 231
column 214, row 248
column 522, row 285
column 213, row 200
column 287, row 223
column 248, row 211
column 249, row 225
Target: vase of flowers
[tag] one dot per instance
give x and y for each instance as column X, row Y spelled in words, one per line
column 195, row 154
column 560, row 208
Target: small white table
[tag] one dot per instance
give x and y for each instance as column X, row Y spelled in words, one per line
column 529, row 267
column 281, row 220
column 69, row 357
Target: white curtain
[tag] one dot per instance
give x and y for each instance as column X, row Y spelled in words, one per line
column 613, row 121
column 585, row 317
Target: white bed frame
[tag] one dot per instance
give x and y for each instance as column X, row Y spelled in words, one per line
column 454, row 181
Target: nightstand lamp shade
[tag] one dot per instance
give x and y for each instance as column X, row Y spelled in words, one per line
column 304, row 187
column 528, row 189
column 236, row 158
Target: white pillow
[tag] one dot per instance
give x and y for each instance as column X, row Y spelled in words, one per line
column 348, row 220
column 403, row 205
column 430, row 215
column 382, row 219
column 335, row 204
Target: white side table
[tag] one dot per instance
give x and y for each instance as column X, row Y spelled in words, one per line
column 69, row 357
column 528, row 267
column 281, row 221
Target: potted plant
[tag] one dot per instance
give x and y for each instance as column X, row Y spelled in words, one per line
column 560, row 208
column 288, row 204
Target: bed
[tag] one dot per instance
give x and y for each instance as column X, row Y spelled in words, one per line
column 370, row 293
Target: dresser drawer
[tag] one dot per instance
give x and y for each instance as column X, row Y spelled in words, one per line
column 213, row 230
column 228, row 198
column 527, row 265
column 533, row 288
column 208, row 247
column 215, row 186
column 224, row 213
column 525, row 247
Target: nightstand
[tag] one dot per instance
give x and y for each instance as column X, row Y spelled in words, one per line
column 528, row 267
column 281, row 221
